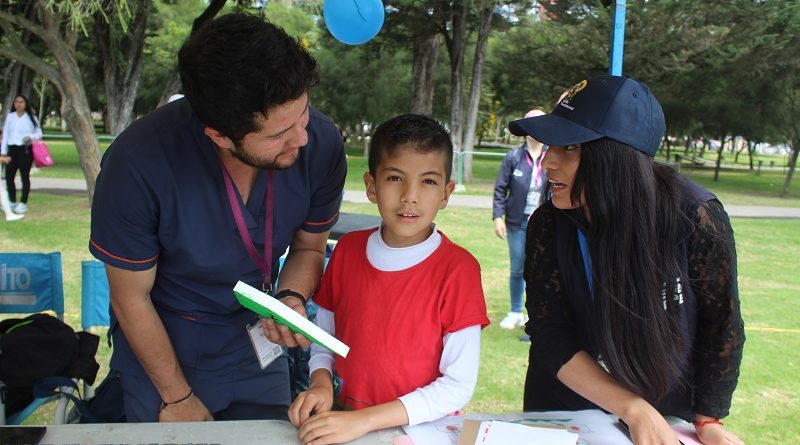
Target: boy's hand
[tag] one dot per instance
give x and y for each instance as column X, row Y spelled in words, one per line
column 318, row 399
column 333, row 427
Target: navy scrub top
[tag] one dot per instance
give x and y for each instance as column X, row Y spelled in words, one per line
column 160, row 199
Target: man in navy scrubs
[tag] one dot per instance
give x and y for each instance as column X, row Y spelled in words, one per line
column 205, row 191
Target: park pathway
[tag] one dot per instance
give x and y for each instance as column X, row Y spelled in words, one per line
column 78, row 186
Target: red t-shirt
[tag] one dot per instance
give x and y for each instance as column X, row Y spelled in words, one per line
column 394, row 322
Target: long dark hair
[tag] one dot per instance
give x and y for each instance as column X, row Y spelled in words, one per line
column 635, row 231
column 28, row 110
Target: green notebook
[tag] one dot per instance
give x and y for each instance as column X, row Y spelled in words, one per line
column 266, row 306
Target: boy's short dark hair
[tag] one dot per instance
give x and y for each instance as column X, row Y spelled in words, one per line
column 425, row 134
column 239, row 66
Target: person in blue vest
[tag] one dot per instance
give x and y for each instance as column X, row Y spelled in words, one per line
column 631, row 273
column 205, row 191
column 517, row 193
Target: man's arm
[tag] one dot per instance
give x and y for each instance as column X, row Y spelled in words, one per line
column 301, row 273
column 130, row 300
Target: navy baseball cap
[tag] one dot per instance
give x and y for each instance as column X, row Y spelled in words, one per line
column 619, row 108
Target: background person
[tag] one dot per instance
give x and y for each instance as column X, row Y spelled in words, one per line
column 386, row 285
column 630, row 272
column 205, row 191
column 19, row 131
column 517, row 193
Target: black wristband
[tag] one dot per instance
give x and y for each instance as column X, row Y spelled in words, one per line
column 166, row 404
column 291, row 293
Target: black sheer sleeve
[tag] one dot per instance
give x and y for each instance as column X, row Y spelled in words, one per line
column 720, row 330
column 551, row 326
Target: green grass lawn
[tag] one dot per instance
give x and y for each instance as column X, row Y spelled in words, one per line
column 765, row 405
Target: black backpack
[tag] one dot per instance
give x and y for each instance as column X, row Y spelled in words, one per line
column 40, row 346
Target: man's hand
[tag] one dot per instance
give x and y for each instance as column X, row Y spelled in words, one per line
column 5, row 159
column 280, row 334
column 500, row 228
column 189, row 410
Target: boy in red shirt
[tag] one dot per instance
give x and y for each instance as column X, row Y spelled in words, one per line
column 407, row 300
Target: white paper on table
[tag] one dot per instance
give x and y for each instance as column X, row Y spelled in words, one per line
column 593, row 426
column 495, row 432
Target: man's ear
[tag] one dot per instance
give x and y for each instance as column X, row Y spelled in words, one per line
column 448, row 189
column 218, row 138
column 369, row 182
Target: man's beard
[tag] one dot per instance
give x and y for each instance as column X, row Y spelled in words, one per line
column 275, row 164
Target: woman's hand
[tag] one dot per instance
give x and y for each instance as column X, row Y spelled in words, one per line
column 716, row 434
column 333, row 427
column 318, row 399
column 648, row 427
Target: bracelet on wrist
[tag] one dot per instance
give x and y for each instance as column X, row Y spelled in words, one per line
column 182, row 399
column 702, row 423
column 291, row 293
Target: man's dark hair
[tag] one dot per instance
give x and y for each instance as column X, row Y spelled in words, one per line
column 425, row 134
column 237, row 67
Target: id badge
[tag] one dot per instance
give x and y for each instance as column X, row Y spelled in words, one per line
column 265, row 350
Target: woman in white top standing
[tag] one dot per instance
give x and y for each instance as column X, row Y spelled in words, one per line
column 19, row 131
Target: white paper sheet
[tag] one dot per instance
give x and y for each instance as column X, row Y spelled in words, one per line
column 495, row 432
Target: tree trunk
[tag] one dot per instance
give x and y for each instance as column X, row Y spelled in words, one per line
column 426, row 56
column 173, row 84
column 751, row 147
column 487, row 12
column 456, row 46
column 121, row 77
column 65, row 74
column 19, row 80
column 719, row 158
column 792, row 164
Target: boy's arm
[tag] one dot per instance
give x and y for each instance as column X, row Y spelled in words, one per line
column 448, row 393
column 319, row 396
column 343, row 426
column 453, row 390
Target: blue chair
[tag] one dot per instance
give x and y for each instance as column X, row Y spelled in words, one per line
column 94, row 295
column 31, row 283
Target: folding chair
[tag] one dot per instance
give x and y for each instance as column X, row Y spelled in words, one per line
column 94, row 295
column 31, row 283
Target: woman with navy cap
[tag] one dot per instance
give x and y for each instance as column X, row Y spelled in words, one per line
column 631, row 273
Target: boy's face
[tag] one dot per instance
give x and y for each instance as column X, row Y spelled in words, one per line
column 409, row 188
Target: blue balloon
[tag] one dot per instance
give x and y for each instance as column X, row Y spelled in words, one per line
column 353, row 21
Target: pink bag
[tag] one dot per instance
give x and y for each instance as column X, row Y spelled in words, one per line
column 41, row 155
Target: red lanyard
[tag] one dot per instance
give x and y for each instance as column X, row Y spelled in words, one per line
column 264, row 263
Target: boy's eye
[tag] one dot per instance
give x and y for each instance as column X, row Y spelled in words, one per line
column 570, row 147
column 394, row 178
column 429, row 181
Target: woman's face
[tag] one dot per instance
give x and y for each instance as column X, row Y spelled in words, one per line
column 561, row 164
column 19, row 104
